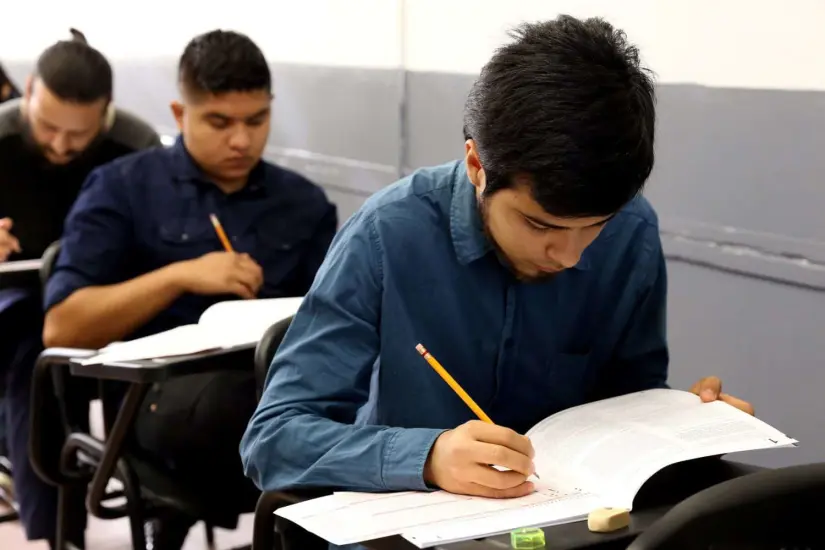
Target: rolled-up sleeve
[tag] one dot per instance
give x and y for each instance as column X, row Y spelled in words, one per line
column 302, row 433
column 96, row 235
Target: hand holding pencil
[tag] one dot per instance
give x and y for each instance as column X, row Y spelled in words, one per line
column 220, row 272
column 460, row 459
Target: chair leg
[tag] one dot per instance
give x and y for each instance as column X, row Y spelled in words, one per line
column 210, row 535
column 134, row 505
column 63, row 506
column 264, row 536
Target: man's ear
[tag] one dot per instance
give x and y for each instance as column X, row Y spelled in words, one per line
column 28, row 88
column 177, row 112
column 475, row 171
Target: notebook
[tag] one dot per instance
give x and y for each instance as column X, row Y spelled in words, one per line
column 223, row 325
column 587, row 457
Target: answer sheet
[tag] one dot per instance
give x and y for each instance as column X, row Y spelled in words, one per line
column 613, row 446
column 426, row 519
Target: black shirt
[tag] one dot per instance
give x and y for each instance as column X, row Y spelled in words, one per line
column 38, row 195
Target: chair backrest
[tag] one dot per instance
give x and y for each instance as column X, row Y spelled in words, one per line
column 266, row 349
column 49, row 260
column 781, row 507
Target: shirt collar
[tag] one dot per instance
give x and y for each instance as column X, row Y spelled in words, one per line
column 187, row 170
column 466, row 226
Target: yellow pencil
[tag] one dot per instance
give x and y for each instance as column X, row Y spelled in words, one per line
column 453, row 384
column 221, row 234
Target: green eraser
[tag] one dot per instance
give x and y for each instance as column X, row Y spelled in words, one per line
column 526, row 538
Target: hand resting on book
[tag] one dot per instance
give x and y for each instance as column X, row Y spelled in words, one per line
column 710, row 389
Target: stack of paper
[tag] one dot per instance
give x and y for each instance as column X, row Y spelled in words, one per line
column 427, row 519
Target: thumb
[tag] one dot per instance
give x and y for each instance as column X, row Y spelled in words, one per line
column 708, row 388
column 6, row 223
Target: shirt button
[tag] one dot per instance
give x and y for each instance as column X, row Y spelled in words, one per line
column 184, row 237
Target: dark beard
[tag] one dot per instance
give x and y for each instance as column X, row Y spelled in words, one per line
column 40, row 151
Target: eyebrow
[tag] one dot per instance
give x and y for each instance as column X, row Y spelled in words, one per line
column 542, row 223
column 215, row 114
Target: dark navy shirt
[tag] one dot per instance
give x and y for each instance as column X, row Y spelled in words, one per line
column 151, row 209
column 413, row 265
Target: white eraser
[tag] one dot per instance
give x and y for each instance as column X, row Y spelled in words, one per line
column 606, row 520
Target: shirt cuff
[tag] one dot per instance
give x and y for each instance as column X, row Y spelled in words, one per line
column 404, row 459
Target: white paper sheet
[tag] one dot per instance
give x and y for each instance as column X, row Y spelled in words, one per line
column 20, row 265
column 427, row 519
column 224, row 325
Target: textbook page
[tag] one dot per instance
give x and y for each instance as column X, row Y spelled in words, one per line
column 223, row 325
column 612, row 447
column 240, row 322
column 426, row 519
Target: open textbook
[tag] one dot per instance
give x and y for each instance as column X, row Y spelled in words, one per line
column 592, row 456
column 223, row 325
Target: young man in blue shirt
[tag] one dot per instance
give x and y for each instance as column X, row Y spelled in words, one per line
column 532, row 270
column 139, row 255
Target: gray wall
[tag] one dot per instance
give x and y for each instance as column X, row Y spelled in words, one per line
column 737, row 186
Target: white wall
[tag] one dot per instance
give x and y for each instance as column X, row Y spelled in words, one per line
column 733, row 43
column 729, row 43
column 360, row 33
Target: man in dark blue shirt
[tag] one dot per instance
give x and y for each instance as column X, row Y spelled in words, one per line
column 532, row 270
column 139, row 255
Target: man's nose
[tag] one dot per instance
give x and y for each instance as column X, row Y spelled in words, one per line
column 60, row 145
column 566, row 251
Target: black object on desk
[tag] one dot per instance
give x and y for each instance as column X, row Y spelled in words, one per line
column 779, row 508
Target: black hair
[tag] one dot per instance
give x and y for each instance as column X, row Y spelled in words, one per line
column 75, row 71
column 221, row 61
column 567, row 106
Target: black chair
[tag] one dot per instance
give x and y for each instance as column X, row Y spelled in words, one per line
column 271, row 533
column 769, row 509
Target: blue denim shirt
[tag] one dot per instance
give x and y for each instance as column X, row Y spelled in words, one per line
column 151, row 209
column 413, row 265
